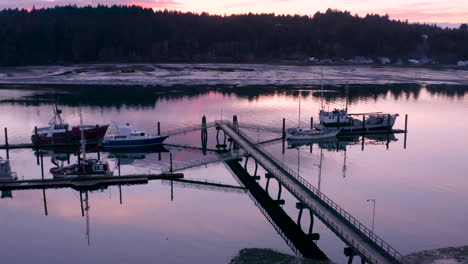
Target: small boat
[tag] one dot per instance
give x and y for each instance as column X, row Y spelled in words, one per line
column 342, row 119
column 60, row 132
column 84, row 167
column 310, row 134
column 126, row 137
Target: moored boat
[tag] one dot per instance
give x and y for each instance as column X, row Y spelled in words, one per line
column 340, row 118
column 58, row 131
column 310, row 134
column 84, row 167
column 126, row 137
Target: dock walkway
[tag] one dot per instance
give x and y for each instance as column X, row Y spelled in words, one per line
column 362, row 240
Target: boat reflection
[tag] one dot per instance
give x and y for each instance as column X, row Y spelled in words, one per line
column 6, row 174
column 340, row 143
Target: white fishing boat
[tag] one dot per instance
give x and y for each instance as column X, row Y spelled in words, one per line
column 126, row 137
column 84, row 167
column 310, row 134
column 340, row 118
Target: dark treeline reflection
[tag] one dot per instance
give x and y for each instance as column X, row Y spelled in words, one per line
column 148, row 96
column 72, row 34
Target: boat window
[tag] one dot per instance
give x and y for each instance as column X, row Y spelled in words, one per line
column 142, row 134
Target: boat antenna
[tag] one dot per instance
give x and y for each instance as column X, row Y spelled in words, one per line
column 321, row 87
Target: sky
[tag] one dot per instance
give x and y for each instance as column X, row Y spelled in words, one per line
column 443, row 12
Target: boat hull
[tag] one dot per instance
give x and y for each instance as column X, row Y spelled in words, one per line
column 72, row 136
column 136, row 143
column 304, row 135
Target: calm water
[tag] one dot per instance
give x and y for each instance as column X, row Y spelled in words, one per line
column 420, row 191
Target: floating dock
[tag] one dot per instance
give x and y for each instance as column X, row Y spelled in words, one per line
column 84, row 182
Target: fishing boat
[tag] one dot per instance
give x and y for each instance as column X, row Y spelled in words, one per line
column 310, row 134
column 59, row 131
column 84, row 167
column 340, row 118
column 126, row 137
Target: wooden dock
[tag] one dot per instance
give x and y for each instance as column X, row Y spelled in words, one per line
column 85, row 182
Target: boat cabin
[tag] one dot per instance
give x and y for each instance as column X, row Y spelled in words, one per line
column 334, row 117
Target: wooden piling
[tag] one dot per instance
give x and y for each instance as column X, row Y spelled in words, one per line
column 311, row 122
column 363, row 123
column 406, row 123
column 6, row 138
column 170, row 158
column 36, row 135
column 284, row 128
column 159, row 128
column 6, row 144
column 388, row 123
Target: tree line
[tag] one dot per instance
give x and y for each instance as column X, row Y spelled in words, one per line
column 71, row 34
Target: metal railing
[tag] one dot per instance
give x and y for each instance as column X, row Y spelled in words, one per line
column 187, row 129
column 330, row 203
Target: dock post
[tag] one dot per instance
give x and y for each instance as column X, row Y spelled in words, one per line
column 284, row 128
column 406, row 123
column 311, row 122
column 98, row 143
column 36, row 137
column 6, row 143
column 81, row 203
column 42, row 164
column 159, row 128
column 406, row 131
column 363, row 123
column 362, row 146
column 204, row 135
column 170, row 157
column 235, row 122
column 388, row 123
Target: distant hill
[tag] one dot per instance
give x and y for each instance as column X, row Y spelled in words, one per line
column 71, row 34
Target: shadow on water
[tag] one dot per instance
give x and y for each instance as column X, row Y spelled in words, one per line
column 148, row 96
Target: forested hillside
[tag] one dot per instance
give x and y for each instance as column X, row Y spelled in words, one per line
column 73, row 34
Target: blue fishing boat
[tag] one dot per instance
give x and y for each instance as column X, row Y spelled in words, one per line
column 126, row 137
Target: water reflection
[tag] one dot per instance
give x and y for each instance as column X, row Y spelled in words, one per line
column 141, row 96
column 350, row 170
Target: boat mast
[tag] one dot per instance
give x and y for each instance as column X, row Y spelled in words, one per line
column 83, row 139
column 321, row 87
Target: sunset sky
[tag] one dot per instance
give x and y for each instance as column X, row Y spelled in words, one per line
column 435, row 11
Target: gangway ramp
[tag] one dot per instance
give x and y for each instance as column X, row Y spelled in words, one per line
column 362, row 240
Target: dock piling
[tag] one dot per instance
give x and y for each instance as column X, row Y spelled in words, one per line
column 36, row 136
column 170, row 158
column 284, row 128
column 406, row 123
column 311, row 122
column 363, row 123
column 6, row 143
column 159, row 128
